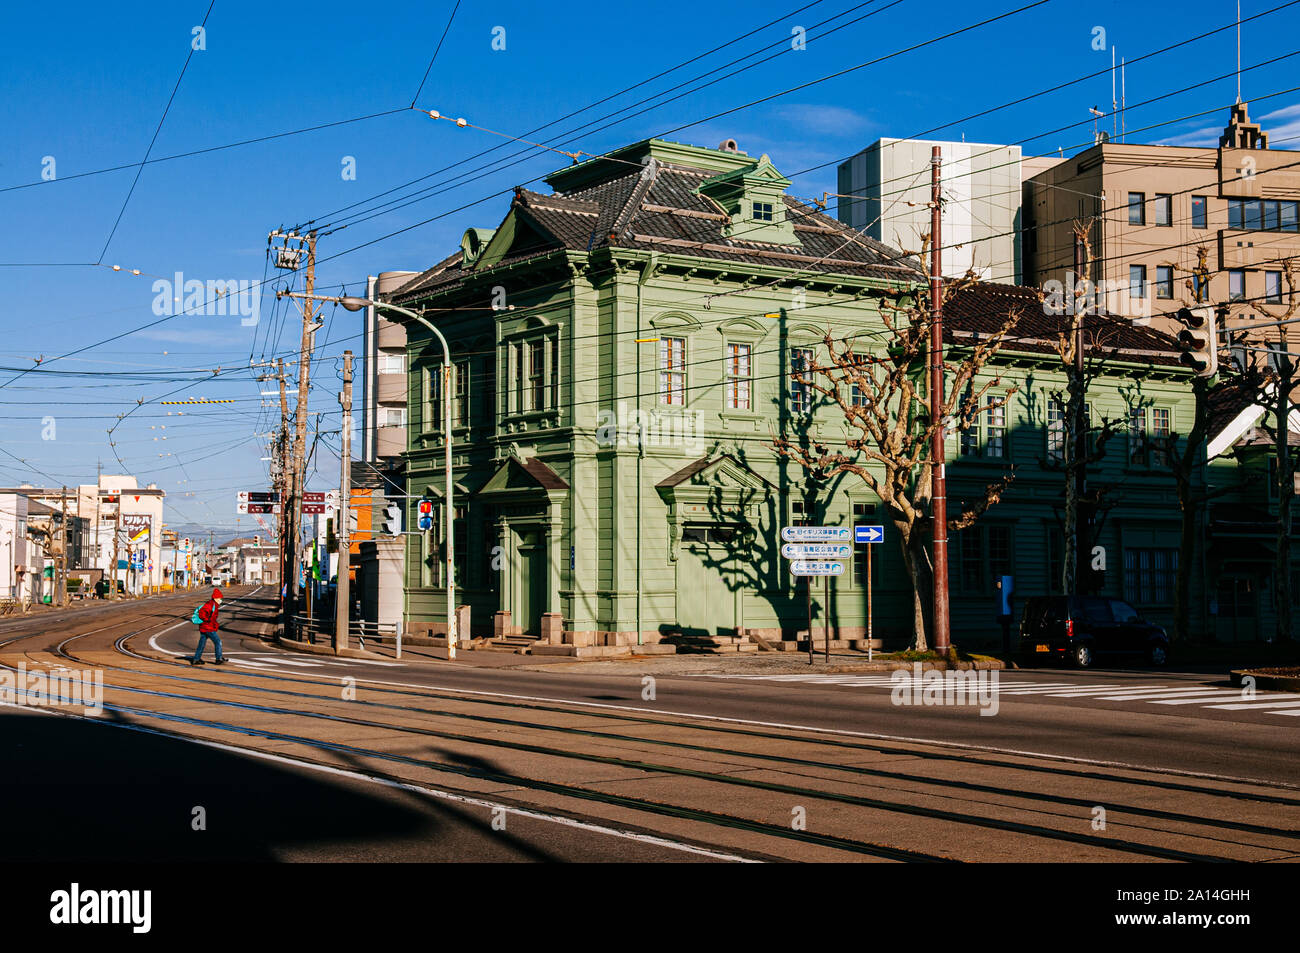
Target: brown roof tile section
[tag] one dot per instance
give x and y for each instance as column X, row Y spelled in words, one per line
column 983, row 309
column 544, row 475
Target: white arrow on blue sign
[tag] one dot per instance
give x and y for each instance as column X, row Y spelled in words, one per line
column 868, row 534
column 816, row 550
column 817, row 534
column 816, row 568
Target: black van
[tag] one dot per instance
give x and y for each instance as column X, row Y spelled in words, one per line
column 1084, row 629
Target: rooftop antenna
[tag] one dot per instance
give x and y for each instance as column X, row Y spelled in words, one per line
column 1114, row 119
column 1096, row 114
column 1238, row 51
column 1123, row 131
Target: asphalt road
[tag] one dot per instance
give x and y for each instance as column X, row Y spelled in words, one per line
column 1153, row 718
column 307, row 757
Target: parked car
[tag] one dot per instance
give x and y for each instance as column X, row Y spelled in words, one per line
column 1086, row 629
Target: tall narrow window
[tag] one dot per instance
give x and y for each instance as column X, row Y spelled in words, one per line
column 1236, row 284
column 536, row 382
column 969, row 439
column 672, row 370
column 460, row 396
column 1273, row 287
column 801, row 359
column 1164, row 281
column 553, row 345
column 995, row 437
column 1160, row 431
column 1137, row 281
column 1198, row 212
column 1137, row 434
column 1163, row 206
column 1137, row 208
column 1055, row 431
column 739, row 373
column 433, row 379
column 517, row 358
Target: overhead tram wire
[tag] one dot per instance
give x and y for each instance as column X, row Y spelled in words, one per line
column 158, row 129
column 419, row 224
column 524, row 155
column 576, row 112
column 198, row 152
column 436, row 51
column 984, row 112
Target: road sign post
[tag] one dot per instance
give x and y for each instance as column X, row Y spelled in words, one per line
column 817, row 551
column 870, row 535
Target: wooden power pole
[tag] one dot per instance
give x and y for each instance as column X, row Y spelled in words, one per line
column 293, row 505
column 342, row 589
column 938, row 479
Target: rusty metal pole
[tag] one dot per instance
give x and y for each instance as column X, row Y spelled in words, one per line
column 938, row 479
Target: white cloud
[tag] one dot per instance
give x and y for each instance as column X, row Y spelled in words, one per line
column 824, row 119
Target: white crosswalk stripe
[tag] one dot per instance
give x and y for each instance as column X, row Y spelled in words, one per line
column 1168, row 694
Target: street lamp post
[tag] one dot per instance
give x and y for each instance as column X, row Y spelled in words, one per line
column 356, row 304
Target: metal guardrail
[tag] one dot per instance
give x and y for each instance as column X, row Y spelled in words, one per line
column 304, row 629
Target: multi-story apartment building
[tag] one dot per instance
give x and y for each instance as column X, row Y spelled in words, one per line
column 1153, row 208
column 627, row 348
column 383, row 384
column 885, row 193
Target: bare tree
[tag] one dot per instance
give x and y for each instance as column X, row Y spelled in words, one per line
column 1082, row 354
column 880, row 396
column 1285, row 373
column 1184, row 462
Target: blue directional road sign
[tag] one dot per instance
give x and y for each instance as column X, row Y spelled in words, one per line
column 816, row 534
column 816, row 550
column 868, row 534
column 811, row 567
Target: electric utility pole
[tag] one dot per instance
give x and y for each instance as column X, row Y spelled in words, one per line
column 938, row 479
column 289, row 256
column 342, row 589
column 117, row 536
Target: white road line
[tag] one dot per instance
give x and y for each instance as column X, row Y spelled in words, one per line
column 1246, row 706
column 416, row 788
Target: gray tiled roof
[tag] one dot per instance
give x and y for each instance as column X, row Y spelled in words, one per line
column 657, row 208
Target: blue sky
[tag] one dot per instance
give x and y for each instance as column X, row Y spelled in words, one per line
column 86, row 84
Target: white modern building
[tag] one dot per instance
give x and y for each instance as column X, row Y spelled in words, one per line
column 885, row 193
column 16, row 571
column 138, row 532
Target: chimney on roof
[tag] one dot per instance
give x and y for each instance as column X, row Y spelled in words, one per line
column 728, row 145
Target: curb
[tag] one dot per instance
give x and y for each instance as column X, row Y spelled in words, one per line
column 309, row 649
column 1278, row 683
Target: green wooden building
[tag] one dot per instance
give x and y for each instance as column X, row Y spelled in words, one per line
column 624, row 349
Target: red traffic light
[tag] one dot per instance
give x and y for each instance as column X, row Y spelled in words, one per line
column 426, row 507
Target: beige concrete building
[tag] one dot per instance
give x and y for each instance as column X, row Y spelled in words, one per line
column 1152, row 208
column 383, row 410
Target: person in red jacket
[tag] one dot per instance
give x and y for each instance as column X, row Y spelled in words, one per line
column 208, row 628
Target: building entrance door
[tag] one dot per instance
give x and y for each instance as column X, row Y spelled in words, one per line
column 706, row 602
column 1238, row 618
column 530, row 595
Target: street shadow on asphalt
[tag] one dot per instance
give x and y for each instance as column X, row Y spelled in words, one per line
column 82, row 791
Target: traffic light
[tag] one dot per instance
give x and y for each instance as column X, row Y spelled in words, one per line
column 426, row 514
column 393, row 519
column 1199, row 340
column 257, row 541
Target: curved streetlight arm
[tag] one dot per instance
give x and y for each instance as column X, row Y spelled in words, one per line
column 355, row 304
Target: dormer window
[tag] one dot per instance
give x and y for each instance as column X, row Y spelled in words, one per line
column 751, row 196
